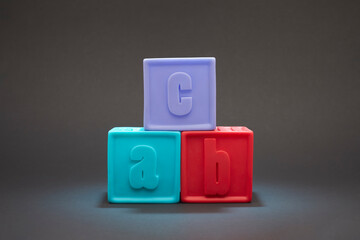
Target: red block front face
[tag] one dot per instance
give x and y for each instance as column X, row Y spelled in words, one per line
column 216, row 166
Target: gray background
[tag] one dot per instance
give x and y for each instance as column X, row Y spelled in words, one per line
column 72, row 70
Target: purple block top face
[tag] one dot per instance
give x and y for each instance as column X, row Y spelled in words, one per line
column 179, row 94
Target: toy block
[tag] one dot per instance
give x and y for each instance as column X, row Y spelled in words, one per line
column 179, row 94
column 143, row 166
column 216, row 166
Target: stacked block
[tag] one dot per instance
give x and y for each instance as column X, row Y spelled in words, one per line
column 179, row 94
column 179, row 133
column 143, row 166
column 216, row 166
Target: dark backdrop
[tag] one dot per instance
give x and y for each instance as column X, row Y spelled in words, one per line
column 72, row 70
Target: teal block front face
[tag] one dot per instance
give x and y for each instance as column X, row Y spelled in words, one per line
column 143, row 166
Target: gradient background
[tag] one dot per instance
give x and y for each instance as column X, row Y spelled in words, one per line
column 72, row 70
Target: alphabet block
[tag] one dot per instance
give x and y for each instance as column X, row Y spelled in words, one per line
column 216, row 166
column 143, row 166
column 179, row 94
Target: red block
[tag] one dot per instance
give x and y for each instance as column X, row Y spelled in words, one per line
column 216, row 166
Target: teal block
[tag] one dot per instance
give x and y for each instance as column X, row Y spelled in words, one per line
column 143, row 166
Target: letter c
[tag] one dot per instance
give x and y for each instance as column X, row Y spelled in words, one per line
column 179, row 105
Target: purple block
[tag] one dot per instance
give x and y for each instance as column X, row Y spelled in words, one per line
column 179, row 94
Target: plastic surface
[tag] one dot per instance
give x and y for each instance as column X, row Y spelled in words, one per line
column 216, row 166
column 143, row 166
column 179, row 94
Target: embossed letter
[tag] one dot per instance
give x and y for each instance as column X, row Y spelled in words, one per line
column 143, row 174
column 179, row 105
column 216, row 169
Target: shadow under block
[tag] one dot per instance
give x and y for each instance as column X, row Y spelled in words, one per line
column 216, row 166
column 179, row 94
column 143, row 166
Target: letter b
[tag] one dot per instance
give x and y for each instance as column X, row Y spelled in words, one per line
column 216, row 169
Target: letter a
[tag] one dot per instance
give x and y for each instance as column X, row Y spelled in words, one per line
column 143, row 174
